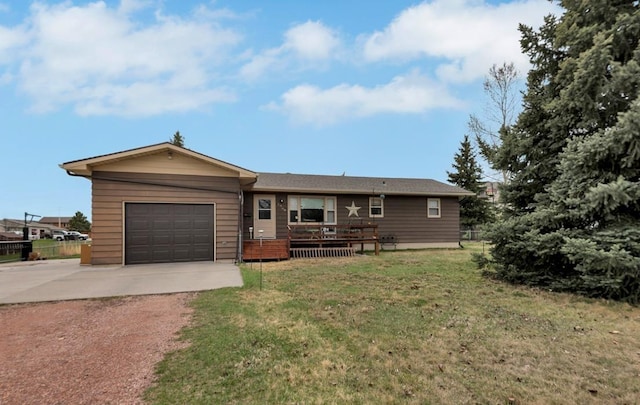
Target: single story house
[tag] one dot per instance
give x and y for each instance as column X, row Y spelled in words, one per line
column 58, row 222
column 164, row 203
column 36, row 231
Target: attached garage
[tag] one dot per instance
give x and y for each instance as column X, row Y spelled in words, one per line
column 165, row 232
column 162, row 204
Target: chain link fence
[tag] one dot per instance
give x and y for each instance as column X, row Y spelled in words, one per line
column 58, row 250
column 469, row 235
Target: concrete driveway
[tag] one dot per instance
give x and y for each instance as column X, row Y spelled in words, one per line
column 58, row 280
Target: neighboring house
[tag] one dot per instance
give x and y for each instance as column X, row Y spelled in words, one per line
column 164, row 203
column 36, row 229
column 491, row 192
column 10, row 236
column 58, row 222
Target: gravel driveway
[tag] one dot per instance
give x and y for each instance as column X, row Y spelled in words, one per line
column 87, row 352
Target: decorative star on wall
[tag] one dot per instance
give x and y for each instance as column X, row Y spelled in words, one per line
column 353, row 210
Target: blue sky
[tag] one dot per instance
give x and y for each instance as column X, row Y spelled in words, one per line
column 369, row 88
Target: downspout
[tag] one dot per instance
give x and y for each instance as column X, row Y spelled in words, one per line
column 241, row 220
column 240, row 226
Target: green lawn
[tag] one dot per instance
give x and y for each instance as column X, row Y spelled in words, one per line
column 405, row 327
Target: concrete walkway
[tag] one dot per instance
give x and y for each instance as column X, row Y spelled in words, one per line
column 58, row 280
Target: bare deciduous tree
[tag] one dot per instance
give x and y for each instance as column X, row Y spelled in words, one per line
column 500, row 85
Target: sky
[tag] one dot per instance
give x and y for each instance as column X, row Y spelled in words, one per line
column 361, row 87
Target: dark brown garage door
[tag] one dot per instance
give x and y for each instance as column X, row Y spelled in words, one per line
column 163, row 233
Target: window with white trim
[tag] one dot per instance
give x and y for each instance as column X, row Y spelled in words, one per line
column 309, row 210
column 376, row 207
column 264, row 208
column 433, row 208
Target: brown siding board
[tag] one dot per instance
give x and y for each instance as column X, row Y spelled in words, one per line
column 404, row 217
column 108, row 197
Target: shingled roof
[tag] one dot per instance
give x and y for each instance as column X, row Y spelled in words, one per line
column 311, row 183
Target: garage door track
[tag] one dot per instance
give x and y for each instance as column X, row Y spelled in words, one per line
column 59, row 280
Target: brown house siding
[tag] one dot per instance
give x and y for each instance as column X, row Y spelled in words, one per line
column 405, row 217
column 110, row 190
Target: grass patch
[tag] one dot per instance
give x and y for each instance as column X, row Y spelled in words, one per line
column 403, row 327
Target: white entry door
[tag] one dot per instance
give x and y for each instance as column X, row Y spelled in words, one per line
column 264, row 216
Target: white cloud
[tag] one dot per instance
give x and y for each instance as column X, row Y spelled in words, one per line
column 413, row 93
column 470, row 35
column 141, row 99
column 261, row 63
column 305, row 45
column 311, row 40
column 11, row 39
column 99, row 60
column 130, row 6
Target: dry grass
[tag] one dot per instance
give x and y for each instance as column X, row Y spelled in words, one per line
column 405, row 327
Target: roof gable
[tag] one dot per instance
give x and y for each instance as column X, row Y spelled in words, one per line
column 160, row 158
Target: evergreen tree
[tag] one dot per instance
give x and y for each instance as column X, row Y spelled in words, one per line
column 177, row 139
column 79, row 223
column 468, row 175
column 574, row 199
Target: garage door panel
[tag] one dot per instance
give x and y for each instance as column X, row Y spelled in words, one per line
column 202, row 210
column 197, row 224
column 139, row 239
column 160, row 209
column 158, row 233
column 186, row 210
column 185, row 240
column 161, row 224
column 140, row 224
column 161, row 256
column 182, row 254
column 182, row 224
column 161, row 240
column 201, row 239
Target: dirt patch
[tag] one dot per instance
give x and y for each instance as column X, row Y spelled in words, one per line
column 87, row 352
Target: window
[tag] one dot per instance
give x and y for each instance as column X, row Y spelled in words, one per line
column 433, row 208
column 376, row 207
column 312, row 210
column 264, row 208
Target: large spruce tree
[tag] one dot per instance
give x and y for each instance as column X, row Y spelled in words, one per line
column 573, row 202
column 468, row 175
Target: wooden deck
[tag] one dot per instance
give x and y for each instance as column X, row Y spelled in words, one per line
column 270, row 249
column 336, row 240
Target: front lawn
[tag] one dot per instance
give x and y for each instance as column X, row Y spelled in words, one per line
column 403, row 327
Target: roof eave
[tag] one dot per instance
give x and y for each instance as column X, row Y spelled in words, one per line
column 354, row 191
column 85, row 167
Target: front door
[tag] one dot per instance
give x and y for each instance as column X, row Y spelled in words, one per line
column 264, row 218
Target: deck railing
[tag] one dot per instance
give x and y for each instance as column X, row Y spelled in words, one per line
column 322, row 235
column 332, row 233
